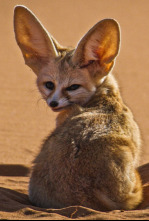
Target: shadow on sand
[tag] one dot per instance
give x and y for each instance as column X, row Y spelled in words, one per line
column 14, row 170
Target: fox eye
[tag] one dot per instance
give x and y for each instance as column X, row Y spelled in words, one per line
column 73, row 87
column 50, row 85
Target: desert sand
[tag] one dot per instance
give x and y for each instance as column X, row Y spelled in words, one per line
column 25, row 120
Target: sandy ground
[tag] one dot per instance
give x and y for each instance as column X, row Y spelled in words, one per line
column 25, row 120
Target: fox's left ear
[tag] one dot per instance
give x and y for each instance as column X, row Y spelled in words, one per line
column 100, row 44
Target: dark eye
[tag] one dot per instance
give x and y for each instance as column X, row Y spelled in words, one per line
column 73, row 87
column 50, row 85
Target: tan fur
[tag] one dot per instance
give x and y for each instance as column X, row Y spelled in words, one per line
column 91, row 157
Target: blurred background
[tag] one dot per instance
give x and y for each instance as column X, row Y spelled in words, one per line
column 25, row 120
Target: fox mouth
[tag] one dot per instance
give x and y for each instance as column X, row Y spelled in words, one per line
column 58, row 109
column 61, row 108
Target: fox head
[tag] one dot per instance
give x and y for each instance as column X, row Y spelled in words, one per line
column 67, row 76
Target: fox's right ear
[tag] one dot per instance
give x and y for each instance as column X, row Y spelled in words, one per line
column 34, row 41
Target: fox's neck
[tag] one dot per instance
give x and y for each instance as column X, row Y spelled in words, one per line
column 107, row 96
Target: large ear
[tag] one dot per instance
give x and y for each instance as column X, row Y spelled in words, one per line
column 100, row 44
column 35, row 43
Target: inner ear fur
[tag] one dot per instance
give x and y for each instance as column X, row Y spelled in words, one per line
column 34, row 41
column 101, row 43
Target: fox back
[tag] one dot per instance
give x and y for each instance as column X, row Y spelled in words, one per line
column 91, row 157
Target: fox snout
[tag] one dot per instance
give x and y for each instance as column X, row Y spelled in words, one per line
column 53, row 104
column 57, row 104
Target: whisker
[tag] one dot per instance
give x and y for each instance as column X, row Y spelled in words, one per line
column 38, row 101
column 35, row 90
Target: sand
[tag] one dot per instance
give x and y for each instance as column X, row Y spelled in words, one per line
column 25, row 120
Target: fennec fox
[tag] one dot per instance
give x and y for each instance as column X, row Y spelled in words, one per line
column 90, row 159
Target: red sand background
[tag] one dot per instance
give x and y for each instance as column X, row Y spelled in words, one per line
column 25, row 120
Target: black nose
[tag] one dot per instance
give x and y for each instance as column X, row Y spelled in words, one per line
column 53, row 104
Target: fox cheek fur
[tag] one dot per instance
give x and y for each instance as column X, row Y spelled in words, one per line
column 91, row 157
